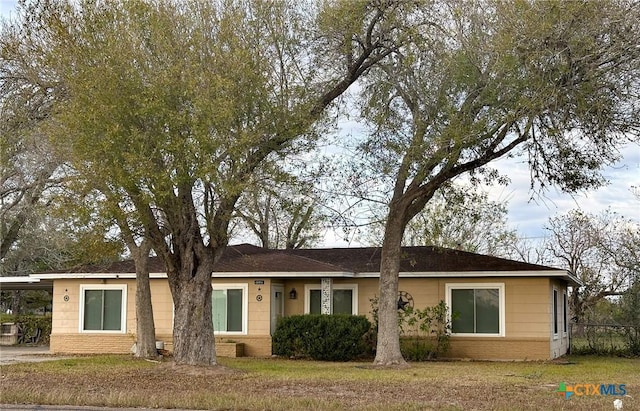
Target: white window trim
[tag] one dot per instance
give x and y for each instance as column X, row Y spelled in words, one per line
column 245, row 307
column 123, row 316
column 352, row 287
column 478, row 286
column 556, row 314
column 565, row 313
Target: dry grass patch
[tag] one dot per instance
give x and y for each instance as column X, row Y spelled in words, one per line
column 276, row 384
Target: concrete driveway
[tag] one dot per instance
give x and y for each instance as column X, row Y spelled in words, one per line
column 12, row 354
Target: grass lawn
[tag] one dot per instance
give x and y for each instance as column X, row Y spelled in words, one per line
column 278, row 384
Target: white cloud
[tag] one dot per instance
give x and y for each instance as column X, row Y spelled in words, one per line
column 529, row 215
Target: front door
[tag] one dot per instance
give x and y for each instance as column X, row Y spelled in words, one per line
column 277, row 305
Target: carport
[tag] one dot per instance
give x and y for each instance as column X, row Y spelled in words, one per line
column 10, row 333
column 25, row 283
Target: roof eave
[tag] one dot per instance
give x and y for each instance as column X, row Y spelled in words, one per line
column 564, row 274
column 224, row 274
column 556, row 273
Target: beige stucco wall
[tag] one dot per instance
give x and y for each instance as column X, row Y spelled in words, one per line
column 67, row 337
column 528, row 312
column 259, row 320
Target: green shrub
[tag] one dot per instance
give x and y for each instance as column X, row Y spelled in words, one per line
column 425, row 333
column 338, row 337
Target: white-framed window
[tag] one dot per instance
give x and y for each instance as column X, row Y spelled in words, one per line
column 477, row 309
column 344, row 299
column 230, row 307
column 565, row 312
column 555, row 320
column 103, row 308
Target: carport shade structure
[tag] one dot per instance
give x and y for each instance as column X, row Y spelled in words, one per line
column 25, row 283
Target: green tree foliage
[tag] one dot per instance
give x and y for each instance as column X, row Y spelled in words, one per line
column 554, row 81
column 19, row 302
column 59, row 237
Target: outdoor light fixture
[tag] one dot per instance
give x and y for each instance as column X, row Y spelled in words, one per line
column 293, row 294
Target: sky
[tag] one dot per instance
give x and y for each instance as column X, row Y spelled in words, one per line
column 6, row 6
column 528, row 216
column 529, row 212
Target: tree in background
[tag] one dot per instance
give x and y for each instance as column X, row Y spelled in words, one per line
column 282, row 214
column 282, row 222
column 628, row 315
column 625, row 251
column 554, row 81
column 601, row 250
column 460, row 217
column 31, row 238
column 27, row 162
column 52, row 241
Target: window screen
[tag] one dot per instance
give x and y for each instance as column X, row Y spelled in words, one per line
column 315, row 302
column 477, row 311
column 342, row 301
column 103, row 310
column 227, row 310
column 555, row 311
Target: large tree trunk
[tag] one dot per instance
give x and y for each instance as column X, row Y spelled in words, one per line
column 388, row 346
column 193, row 339
column 145, row 326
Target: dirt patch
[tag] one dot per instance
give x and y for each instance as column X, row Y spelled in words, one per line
column 384, row 367
column 216, row 370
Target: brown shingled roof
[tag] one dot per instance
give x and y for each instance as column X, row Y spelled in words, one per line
column 247, row 261
column 248, row 258
column 417, row 259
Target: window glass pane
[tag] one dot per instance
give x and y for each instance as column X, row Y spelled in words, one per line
column 93, row 309
column 343, row 301
column 219, row 310
column 462, row 308
column 234, row 310
column 487, row 311
column 555, row 311
column 314, row 301
column 112, row 313
column 565, row 311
